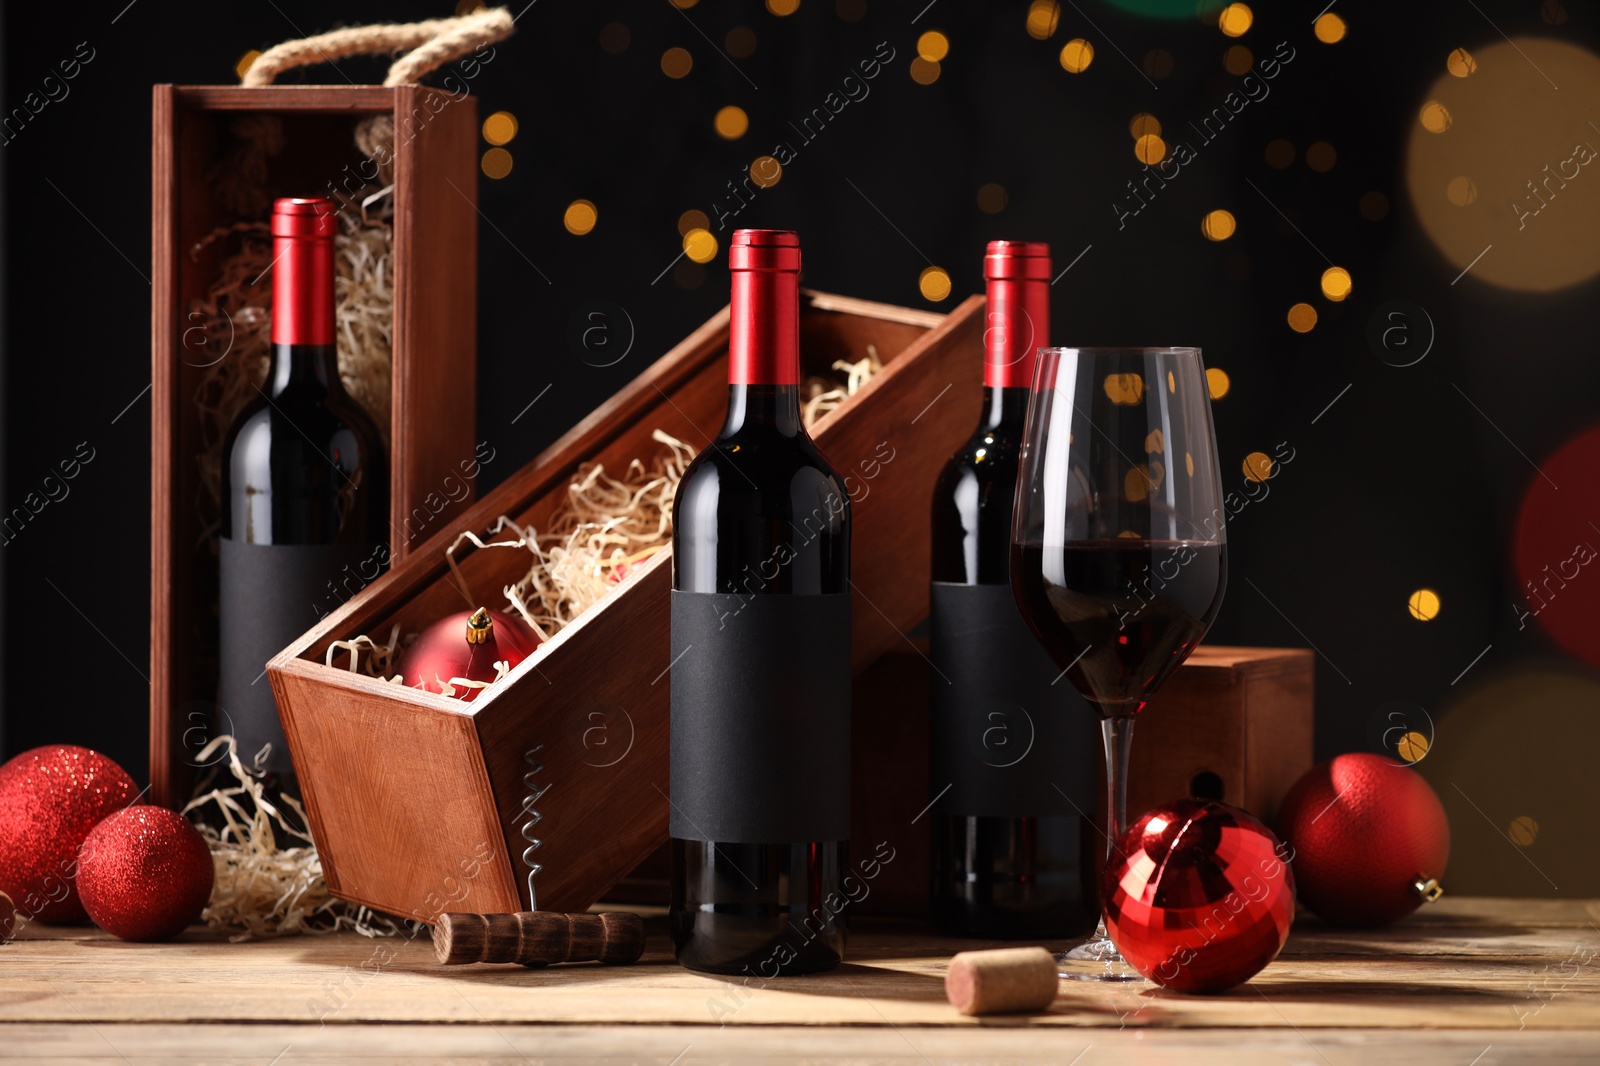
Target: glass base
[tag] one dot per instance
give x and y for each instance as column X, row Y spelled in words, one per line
column 1095, row 960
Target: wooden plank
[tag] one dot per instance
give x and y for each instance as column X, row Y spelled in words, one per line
column 1494, row 965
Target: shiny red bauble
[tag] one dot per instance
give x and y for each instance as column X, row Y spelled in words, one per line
column 145, row 873
column 50, row 798
column 1198, row 897
column 466, row 645
column 1369, row 837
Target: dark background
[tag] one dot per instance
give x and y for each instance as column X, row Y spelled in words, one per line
column 1400, row 485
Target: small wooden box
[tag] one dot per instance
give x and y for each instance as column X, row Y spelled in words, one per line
column 420, row 802
column 433, row 344
column 1242, row 715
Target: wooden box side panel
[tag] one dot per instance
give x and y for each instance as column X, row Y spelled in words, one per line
column 1279, row 732
column 433, row 435
column 583, row 742
column 400, row 811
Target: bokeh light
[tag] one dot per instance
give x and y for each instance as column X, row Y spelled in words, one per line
column 1523, row 831
column 1235, row 19
column 676, row 62
column 1435, row 117
column 1157, row 63
column 1076, row 56
column 1238, row 60
column 1144, row 124
column 740, row 42
column 1460, row 63
column 1302, row 318
column 496, row 163
column 1218, row 225
column 500, row 128
column 1320, row 156
column 692, row 220
column 1461, row 191
column 1280, row 154
column 923, row 71
column 731, row 123
column 934, row 283
column 782, row 8
column 1125, row 390
column 933, row 46
column 1336, row 283
column 1412, row 747
column 1150, row 149
column 580, row 217
column 1217, row 382
column 246, row 61
column 615, row 38
column 992, row 198
column 766, row 171
column 1329, row 28
column 1257, row 466
column 1423, row 605
column 700, row 245
column 1042, row 18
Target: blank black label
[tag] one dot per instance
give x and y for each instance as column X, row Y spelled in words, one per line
column 269, row 594
column 760, row 718
column 1009, row 738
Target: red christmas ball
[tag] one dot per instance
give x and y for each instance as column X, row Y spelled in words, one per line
column 1199, row 896
column 1369, row 839
column 145, row 873
column 466, row 645
column 50, row 798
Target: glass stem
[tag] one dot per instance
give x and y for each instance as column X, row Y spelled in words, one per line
column 1118, row 733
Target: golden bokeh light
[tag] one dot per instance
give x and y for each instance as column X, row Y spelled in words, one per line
column 692, row 220
column 246, row 61
column 1280, row 154
column 731, row 123
column 1218, row 225
column 496, row 163
column 933, row 46
column 1302, row 318
column 992, row 198
column 1320, row 156
column 1329, row 28
column 1424, row 605
column 1523, row 831
column 1217, row 382
column 1257, row 466
column 783, row 7
column 500, row 128
column 934, row 283
column 1412, row 747
column 1235, row 19
column 1533, row 221
column 1125, row 390
column 1155, row 442
column 1336, row 283
column 1150, row 149
column 1042, row 18
column 766, row 171
column 923, row 71
column 1460, row 63
column 676, row 62
column 1238, row 60
column 580, row 217
column 1172, row 382
column 1144, row 124
column 1076, row 55
column 700, row 245
column 740, row 42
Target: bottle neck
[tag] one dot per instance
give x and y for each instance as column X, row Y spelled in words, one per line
column 1003, row 407
column 302, row 291
column 1018, row 325
column 302, row 367
column 774, row 408
column 764, row 328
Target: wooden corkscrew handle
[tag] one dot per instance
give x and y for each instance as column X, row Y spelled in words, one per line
column 537, row 938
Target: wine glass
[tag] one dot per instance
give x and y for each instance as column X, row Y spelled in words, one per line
column 1118, row 551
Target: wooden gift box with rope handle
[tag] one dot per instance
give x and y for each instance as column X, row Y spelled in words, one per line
column 197, row 132
column 421, row 802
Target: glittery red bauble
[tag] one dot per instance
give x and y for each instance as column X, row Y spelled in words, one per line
column 446, row 650
column 145, row 873
column 1364, row 831
column 1199, row 897
column 50, row 798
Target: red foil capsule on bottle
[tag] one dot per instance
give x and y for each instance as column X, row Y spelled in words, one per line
column 302, row 270
column 1018, row 317
column 764, row 323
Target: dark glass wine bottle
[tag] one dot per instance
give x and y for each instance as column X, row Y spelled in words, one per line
column 305, row 489
column 1013, row 762
column 760, row 813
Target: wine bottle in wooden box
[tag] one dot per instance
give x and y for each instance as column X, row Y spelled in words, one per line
column 304, row 488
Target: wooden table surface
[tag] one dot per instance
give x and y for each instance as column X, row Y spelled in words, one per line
column 1467, row 981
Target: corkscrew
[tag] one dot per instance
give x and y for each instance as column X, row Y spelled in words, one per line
column 535, row 767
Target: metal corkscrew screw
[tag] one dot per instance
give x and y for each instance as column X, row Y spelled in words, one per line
column 535, row 767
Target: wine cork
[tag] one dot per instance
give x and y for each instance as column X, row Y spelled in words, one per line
column 537, row 938
column 1002, row 981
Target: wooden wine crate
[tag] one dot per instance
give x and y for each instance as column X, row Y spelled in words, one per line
column 420, row 802
column 433, row 343
column 1233, row 724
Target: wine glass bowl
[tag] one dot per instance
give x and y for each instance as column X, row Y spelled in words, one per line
column 1118, row 547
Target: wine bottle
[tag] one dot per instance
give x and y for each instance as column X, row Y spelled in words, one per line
column 1012, row 760
column 305, row 489
column 760, row 762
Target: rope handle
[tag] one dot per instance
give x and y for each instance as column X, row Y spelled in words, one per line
column 428, row 45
